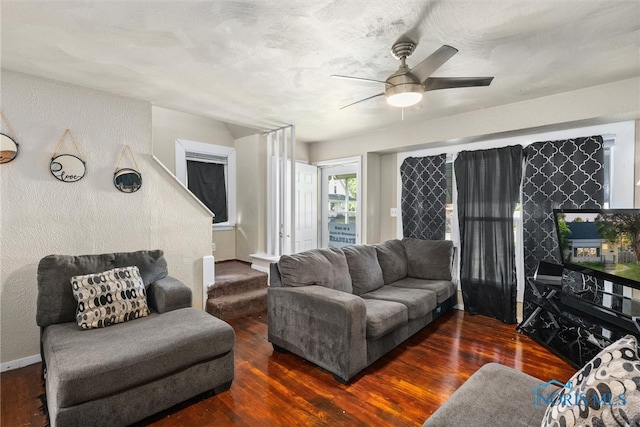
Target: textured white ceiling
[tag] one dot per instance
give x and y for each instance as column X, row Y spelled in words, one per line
column 263, row 64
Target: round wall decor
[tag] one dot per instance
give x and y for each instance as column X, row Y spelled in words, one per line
column 8, row 145
column 67, row 167
column 8, row 148
column 127, row 180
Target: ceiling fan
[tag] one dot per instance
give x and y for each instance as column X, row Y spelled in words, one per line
column 405, row 87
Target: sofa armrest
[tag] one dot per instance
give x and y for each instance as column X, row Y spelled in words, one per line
column 324, row 326
column 168, row 294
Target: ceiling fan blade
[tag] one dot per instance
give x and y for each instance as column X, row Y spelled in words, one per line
column 362, row 100
column 361, row 79
column 432, row 62
column 435, row 83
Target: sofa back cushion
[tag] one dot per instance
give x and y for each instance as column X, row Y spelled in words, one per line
column 392, row 259
column 428, row 259
column 364, row 269
column 325, row 267
column 56, row 303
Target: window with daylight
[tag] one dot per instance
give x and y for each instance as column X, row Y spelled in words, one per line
column 209, row 171
column 584, row 252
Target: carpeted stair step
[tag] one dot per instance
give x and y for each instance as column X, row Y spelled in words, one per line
column 230, row 306
column 237, row 290
column 236, row 277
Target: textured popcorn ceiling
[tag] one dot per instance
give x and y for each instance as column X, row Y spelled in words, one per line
column 264, row 64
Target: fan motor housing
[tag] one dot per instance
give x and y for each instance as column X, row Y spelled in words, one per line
column 399, row 83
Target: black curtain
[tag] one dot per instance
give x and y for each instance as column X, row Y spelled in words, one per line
column 207, row 182
column 558, row 174
column 424, row 195
column 488, row 189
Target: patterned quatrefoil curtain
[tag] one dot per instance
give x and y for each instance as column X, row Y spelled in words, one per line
column 424, row 195
column 558, row 174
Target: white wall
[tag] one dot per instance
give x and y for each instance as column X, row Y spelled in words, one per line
column 169, row 125
column 251, row 155
column 41, row 215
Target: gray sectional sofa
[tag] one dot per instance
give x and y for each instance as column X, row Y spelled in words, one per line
column 343, row 309
column 125, row 372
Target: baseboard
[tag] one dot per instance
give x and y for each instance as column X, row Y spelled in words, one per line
column 20, row 363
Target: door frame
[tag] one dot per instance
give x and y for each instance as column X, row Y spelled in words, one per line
column 327, row 167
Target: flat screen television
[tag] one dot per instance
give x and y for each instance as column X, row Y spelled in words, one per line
column 604, row 243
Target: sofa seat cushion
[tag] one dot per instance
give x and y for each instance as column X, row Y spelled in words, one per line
column 85, row 365
column 392, row 259
column 366, row 274
column 444, row 289
column 495, row 395
column 419, row 302
column 384, row 317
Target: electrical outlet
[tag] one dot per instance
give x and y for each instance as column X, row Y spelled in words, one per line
column 213, row 247
column 394, row 212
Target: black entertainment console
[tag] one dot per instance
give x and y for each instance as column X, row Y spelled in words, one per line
column 577, row 320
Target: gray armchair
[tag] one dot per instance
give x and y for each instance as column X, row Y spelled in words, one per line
column 125, row 372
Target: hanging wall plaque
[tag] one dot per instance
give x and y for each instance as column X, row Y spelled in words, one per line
column 67, row 167
column 8, row 145
column 127, row 180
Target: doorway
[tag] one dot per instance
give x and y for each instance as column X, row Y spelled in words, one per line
column 340, row 204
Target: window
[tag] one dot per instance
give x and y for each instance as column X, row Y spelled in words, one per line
column 208, row 182
column 586, row 252
column 449, row 203
column 209, row 172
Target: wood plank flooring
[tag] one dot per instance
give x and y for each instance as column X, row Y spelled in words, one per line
column 281, row 389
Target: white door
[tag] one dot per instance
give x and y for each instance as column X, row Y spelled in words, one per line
column 306, row 221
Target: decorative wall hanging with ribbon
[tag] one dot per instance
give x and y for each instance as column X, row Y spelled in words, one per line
column 8, row 145
column 127, row 180
column 67, row 167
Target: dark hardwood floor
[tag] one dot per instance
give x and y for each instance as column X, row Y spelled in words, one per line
column 281, row 389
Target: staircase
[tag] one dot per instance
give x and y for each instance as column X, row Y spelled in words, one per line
column 238, row 290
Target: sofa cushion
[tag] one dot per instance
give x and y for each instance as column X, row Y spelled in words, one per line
column 384, row 317
column 392, row 259
column 109, row 297
column 56, row 304
column 419, row 302
column 444, row 289
column 365, row 272
column 325, row 267
column 428, row 259
column 613, row 376
column 86, row 365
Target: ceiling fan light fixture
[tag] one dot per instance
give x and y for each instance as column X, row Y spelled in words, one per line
column 404, row 95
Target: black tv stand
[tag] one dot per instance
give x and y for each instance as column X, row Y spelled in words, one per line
column 576, row 323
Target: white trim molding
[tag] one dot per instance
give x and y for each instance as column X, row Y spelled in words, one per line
column 20, row 363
